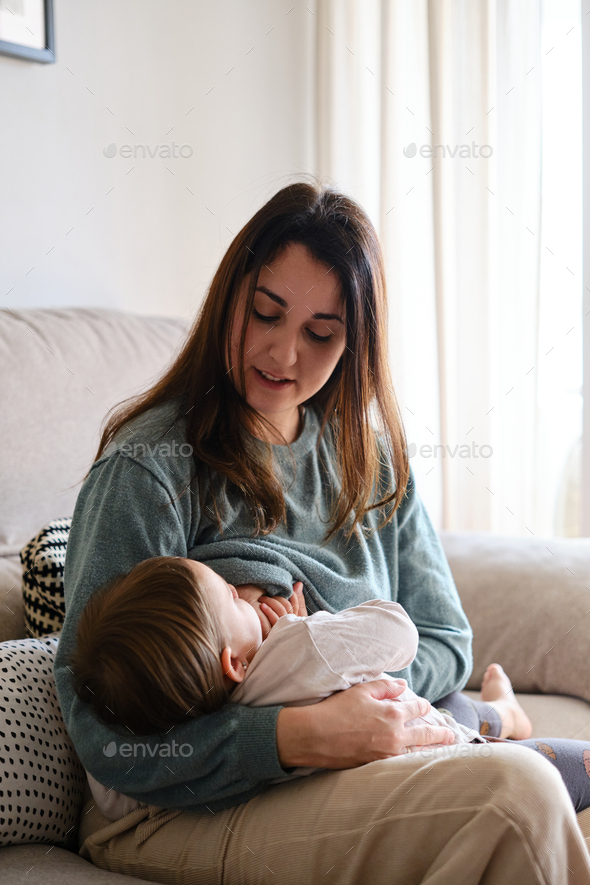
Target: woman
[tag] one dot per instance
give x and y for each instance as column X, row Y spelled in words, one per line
column 293, row 475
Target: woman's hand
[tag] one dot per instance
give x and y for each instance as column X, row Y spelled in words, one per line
column 355, row 726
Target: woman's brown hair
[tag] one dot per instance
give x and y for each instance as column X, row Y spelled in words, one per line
column 336, row 231
column 148, row 648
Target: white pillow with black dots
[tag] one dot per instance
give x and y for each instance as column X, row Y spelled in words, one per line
column 41, row 778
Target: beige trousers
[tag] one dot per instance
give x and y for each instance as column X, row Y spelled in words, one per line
column 457, row 815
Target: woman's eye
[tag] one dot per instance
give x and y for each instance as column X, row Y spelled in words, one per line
column 266, row 319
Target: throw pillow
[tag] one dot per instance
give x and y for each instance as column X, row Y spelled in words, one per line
column 41, row 778
column 43, row 561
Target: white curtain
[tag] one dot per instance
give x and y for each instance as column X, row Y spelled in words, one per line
column 461, row 231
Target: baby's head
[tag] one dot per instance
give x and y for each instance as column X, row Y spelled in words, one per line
column 165, row 642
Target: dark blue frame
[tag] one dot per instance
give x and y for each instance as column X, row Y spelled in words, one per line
column 47, row 55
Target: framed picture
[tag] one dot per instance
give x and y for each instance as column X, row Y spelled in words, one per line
column 26, row 29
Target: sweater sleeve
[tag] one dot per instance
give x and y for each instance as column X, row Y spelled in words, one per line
column 427, row 592
column 123, row 515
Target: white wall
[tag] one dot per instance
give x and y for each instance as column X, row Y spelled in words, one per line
column 80, row 229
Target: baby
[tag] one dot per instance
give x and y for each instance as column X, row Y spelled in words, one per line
column 173, row 639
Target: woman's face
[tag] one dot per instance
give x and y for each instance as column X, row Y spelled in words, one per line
column 290, row 342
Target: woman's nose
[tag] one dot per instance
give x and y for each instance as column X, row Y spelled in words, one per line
column 283, row 346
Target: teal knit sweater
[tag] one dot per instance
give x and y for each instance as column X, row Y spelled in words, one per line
column 128, row 510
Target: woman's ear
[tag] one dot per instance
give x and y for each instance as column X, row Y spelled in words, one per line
column 232, row 666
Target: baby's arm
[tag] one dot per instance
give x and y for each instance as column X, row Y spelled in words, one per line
column 363, row 641
column 382, row 636
column 327, row 652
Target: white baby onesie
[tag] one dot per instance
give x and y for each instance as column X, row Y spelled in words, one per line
column 304, row 660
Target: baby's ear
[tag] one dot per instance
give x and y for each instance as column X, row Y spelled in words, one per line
column 232, row 666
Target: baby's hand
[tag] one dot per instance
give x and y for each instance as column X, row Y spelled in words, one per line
column 297, row 600
column 274, row 607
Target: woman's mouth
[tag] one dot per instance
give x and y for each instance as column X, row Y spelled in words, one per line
column 269, row 382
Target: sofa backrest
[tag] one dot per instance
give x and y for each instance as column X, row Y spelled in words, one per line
column 61, row 370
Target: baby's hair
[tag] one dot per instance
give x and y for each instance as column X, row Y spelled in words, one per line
column 148, row 648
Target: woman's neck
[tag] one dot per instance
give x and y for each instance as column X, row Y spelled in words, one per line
column 291, row 431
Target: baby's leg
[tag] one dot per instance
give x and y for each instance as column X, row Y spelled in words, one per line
column 497, row 691
column 498, row 714
column 477, row 715
column 572, row 760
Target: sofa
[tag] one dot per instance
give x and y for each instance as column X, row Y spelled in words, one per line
column 527, row 598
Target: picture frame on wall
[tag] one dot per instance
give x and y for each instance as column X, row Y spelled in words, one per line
column 26, row 30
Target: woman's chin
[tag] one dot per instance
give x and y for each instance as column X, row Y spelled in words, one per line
column 269, row 405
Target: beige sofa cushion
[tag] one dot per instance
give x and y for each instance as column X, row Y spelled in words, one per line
column 36, row 865
column 12, row 621
column 528, row 602
column 62, row 369
column 553, row 715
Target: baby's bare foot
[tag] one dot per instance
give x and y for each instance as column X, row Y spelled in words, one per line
column 496, row 688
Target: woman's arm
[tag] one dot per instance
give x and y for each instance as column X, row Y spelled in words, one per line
column 353, row 727
column 123, row 515
column 322, row 654
column 427, row 592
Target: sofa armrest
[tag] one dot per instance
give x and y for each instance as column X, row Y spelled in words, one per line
column 528, row 602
